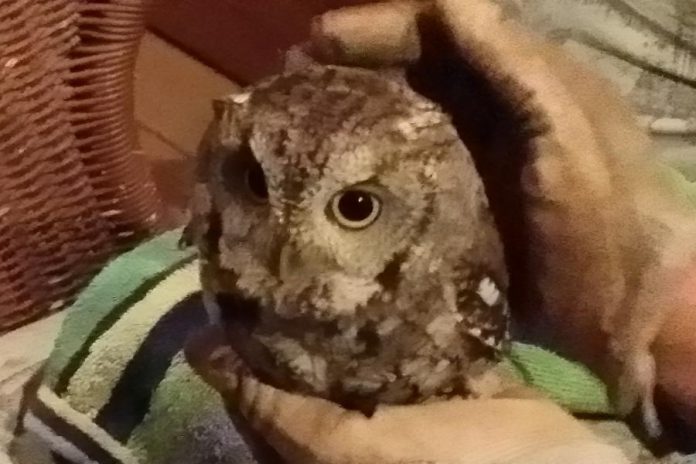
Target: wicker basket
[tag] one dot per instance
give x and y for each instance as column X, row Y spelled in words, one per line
column 73, row 189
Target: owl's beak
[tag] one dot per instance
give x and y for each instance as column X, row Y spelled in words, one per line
column 284, row 262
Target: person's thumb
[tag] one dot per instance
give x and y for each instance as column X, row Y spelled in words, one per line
column 497, row 431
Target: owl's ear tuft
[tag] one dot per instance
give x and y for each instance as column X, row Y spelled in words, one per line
column 223, row 107
column 227, row 124
column 297, row 58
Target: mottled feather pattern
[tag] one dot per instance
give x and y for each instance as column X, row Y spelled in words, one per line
column 347, row 239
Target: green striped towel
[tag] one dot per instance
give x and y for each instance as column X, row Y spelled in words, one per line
column 117, row 389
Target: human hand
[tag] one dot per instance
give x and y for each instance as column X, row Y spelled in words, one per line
column 314, row 431
column 579, row 114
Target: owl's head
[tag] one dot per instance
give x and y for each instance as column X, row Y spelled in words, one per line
column 325, row 189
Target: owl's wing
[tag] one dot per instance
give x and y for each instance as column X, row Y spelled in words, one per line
column 485, row 312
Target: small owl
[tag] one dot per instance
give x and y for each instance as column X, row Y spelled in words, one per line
column 346, row 241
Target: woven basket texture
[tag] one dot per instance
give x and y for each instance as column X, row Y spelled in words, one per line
column 74, row 189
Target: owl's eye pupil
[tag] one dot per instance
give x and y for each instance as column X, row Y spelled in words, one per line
column 256, row 182
column 355, row 209
column 355, row 205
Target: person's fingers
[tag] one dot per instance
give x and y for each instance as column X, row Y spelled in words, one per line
column 575, row 453
column 583, row 115
column 676, row 344
column 675, row 354
column 211, row 357
column 311, row 430
column 676, row 357
column 379, row 34
column 514, row 431
column 450, row 44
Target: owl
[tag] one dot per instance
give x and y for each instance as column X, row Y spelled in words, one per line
column 346, row 242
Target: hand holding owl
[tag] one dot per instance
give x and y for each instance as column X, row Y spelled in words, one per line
column 368, row 200
column 309, row 430
column 603, row 261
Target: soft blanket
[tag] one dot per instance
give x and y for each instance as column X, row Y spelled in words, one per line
column 117, row 388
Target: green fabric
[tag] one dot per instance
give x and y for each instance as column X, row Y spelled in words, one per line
column 180, row 402
column 683, row 187
column 568, row 383
column 110, row 288
column 186, row 420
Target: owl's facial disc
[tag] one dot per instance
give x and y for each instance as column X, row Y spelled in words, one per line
column 330, row 175
column 346, row 220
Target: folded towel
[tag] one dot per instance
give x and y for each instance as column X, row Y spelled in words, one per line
column 117, row 388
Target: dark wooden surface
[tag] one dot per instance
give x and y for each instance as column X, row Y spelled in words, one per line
column 243, row 39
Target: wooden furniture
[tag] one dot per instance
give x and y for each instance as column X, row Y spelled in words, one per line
column 243, row 39
column 73, row 190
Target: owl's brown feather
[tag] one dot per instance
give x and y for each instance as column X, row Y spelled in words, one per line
column 400, row 310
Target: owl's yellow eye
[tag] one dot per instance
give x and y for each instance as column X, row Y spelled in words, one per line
column 355, row 209
column 256, row 182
